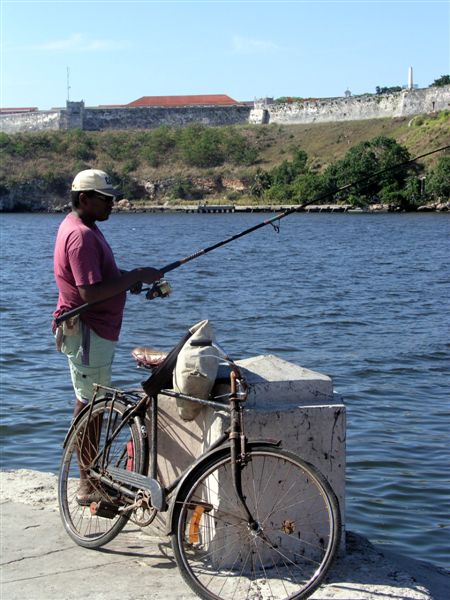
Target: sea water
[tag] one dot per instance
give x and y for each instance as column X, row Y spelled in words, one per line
column 363, row 298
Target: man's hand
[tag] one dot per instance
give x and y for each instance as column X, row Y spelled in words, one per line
column 128, row 280
column 147, row 274
column 136, row 288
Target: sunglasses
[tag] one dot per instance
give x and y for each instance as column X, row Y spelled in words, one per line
column 102, row 197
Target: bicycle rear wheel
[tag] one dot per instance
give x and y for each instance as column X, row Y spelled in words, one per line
column 286, row 555
column 127, row 451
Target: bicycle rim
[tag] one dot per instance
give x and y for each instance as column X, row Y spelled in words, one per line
column 286, row 557
column 126, row 451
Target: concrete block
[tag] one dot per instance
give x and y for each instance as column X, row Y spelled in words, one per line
column 277, row 383
column 286, row 402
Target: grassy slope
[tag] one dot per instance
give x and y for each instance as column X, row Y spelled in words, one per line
column 327, row 142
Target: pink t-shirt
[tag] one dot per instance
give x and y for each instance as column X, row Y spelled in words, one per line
column 83, row 257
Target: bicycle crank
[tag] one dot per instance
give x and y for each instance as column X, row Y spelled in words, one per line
column 143, row 511
column 104, row 509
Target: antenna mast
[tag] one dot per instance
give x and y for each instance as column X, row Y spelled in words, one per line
column 68, row 84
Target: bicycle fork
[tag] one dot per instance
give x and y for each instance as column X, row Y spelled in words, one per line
column 238, row 443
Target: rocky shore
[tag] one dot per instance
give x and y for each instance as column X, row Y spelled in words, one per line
column 40, row 562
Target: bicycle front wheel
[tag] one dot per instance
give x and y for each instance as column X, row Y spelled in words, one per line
column 127, row 451
column 284, row 555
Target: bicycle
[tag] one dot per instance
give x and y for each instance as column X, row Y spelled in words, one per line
column 247, row 519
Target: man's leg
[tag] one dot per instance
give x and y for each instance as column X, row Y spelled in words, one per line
column 92, row 366
column 87, row 449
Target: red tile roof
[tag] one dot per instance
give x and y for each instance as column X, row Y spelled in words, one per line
column 205, row 100
column 18, row 110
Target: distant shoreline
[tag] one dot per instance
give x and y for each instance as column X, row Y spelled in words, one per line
column 131, row 208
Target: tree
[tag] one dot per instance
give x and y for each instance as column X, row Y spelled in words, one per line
column 413, row 191
column 388, row 90
column 287, row 171
column 284, row 173
column 307, row 188
column 261, row 182
column 279, row 193
column 389, row 153
column 363, row 162
column 359, row 162
column 441, row 81
column 438, row 181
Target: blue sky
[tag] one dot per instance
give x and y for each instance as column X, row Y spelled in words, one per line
column 117, row 51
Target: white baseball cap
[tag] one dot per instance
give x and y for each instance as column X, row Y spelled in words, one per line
column 96, row 181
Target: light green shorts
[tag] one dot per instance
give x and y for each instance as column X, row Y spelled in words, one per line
column 90, row 361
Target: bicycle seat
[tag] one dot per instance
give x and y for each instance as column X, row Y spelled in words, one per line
column 148, row 357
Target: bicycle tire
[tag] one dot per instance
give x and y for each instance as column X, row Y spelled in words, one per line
column 127, row 451
column 220, row 557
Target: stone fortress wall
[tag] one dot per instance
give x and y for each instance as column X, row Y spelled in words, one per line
column 408, row 102
column 77, row 115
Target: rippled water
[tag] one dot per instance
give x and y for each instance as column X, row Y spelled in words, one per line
column 363, row 298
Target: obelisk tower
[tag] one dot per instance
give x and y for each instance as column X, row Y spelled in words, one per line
column 410, row 78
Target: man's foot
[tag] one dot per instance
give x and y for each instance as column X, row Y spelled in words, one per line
column 87, row 494
column 88, row 499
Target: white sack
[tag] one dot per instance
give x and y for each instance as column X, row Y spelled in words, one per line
column 196, row 370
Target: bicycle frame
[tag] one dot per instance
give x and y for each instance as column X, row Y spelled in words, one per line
column 235, row 435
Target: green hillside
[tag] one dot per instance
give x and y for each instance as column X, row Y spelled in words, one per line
column 197, row 162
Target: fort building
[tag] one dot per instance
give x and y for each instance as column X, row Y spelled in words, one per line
column 219, row 109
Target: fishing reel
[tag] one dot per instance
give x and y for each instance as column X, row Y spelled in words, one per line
column 160, row 289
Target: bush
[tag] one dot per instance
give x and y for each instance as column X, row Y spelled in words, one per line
column 158, row 145
column 6, row 145
column 233, row 196
column 279, row 193
column 130, row 165
column 118, row 145
column 238, row 150
column 443, row 80
column 261, row 182
column 438, row 182
column 308, row 188
column 184, row 189
column 201, row 146
column 80, row 145
column 394, row 198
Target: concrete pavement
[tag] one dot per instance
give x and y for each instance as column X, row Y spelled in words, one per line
column 40, row 562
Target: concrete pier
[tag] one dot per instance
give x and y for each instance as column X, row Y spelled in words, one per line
column 41, row 562
column 216, row 208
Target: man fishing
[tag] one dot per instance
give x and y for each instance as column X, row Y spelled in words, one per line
column 86, row 272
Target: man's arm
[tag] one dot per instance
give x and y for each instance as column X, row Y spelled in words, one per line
column 111, row 287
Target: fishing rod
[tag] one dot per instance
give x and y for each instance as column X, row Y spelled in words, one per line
column 162, row 289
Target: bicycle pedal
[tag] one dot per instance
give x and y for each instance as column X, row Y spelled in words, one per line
column 104, row 509
column 138, row 481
